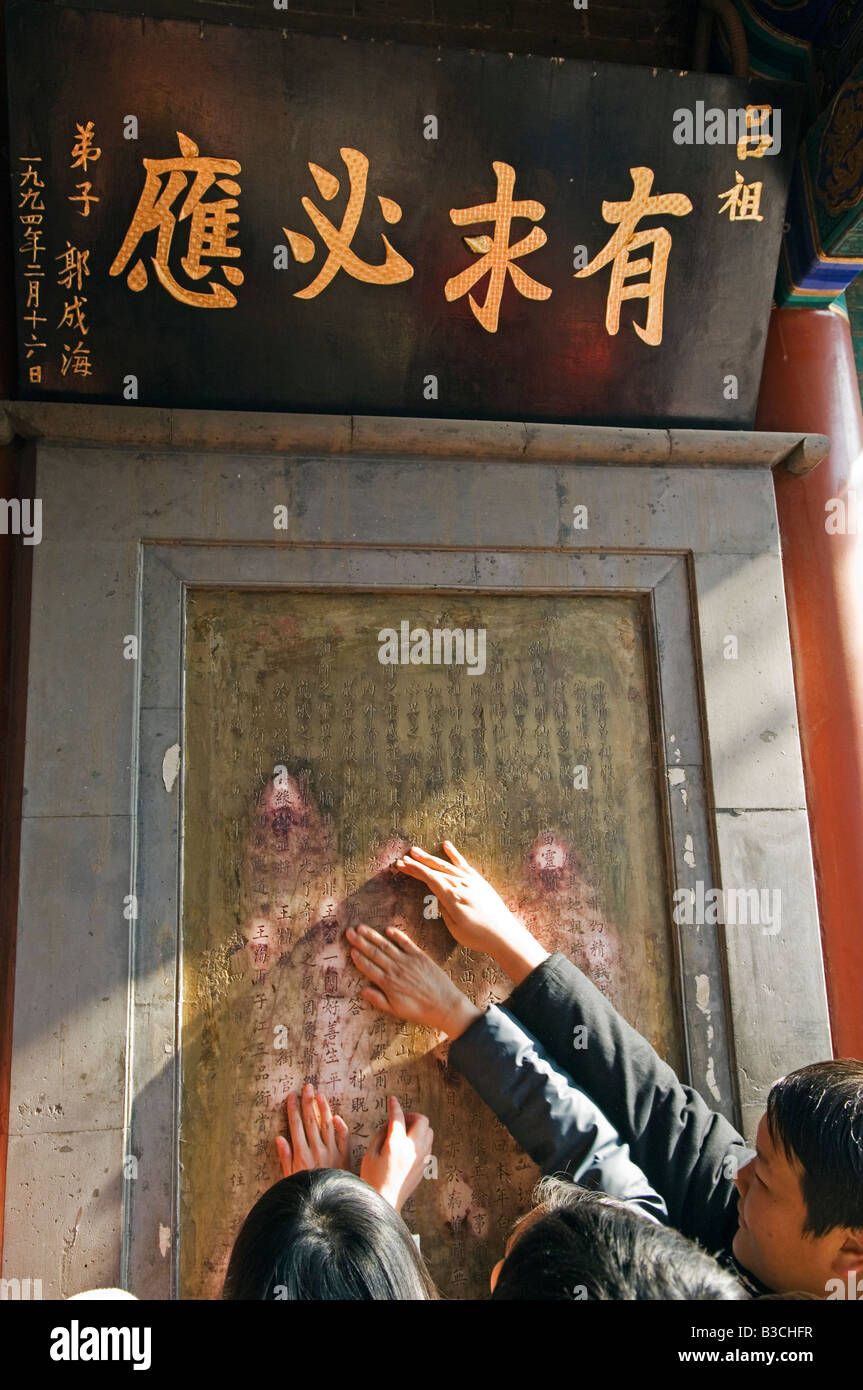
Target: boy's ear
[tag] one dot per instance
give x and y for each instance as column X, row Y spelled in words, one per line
column 850, row 1254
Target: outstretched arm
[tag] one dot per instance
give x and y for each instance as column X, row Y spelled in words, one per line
column 688, row 1151
column 560, row 1127
column 555, row 1122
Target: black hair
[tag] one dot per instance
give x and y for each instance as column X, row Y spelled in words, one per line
column 584, row 1245
column 815, row 1115
column 325, row 1234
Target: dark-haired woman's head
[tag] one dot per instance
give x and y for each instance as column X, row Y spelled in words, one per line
column 325, row 1234
column 582, row 1245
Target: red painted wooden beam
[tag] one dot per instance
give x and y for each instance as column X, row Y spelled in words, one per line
column 809, row 382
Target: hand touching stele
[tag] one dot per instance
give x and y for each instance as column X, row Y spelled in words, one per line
column 393, row 1163
column 474, row 913
column 394, row 1160
column 319, row 1139
column 407, row 983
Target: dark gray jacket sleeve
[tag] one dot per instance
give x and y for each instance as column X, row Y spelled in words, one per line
column 689, row 1152
column 560, row 1127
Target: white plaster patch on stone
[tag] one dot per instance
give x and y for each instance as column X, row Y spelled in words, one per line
column 676, row 778
column 702, row 993
column 164, row 1239
column 171, row 766
column 689, row 851
column 702, row 999
column 710, row 1078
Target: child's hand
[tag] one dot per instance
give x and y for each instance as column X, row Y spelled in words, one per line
column 319, row 1139
column 407, row 983
column 394, row 1161
column 474, row 913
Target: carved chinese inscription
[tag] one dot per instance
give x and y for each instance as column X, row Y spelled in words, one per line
column 324, row 735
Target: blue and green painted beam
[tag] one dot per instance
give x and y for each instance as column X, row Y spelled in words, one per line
column 818, row 43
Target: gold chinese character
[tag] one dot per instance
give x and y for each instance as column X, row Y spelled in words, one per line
column 742, row 201
column 73, row 314
column 393, row 270
column 496, row 254
column 36, row 373
column 755, row 135
column 625, row 240
column 84, row 149
column 32, row 244
column 32, row 294
column 30, row 197
column 85, row 197
column 78, row 358
column 31, row 175
column 210, row 225
column 33, row 345
column 75, row 266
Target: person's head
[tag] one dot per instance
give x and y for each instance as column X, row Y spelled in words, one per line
column 325, row 1234
column 801, row 1197
column 583, row 1245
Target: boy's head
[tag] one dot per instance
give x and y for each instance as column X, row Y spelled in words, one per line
column 583, row 1245
column 801, row 1197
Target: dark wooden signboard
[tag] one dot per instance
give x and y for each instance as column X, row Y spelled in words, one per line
column 235, row 217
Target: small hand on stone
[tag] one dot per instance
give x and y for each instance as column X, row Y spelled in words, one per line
column 319, row 1139
column 406, row 983
column 473, row 911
